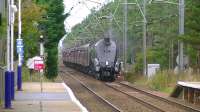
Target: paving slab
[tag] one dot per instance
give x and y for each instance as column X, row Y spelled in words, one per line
column 56, row 97
column 43, row 106
column 41, row 96
column 47, row 87
column 60, row 106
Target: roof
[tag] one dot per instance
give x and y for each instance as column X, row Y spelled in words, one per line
column 195, row 85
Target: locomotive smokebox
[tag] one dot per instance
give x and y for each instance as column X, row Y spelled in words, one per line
column 107, row 41
column 107, row 38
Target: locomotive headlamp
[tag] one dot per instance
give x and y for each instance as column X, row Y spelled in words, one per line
column 106, row 63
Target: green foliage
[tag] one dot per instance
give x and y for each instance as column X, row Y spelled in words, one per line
column 31, row 15
column 51, row 62
column 3, row 28
column 153, row 56
column 162, row 31
column 192, row 22
column 166, row 80
column 54, row 31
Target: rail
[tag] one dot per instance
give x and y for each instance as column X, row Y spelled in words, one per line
column 186, row 107
column 116, row 109
column 149, row 105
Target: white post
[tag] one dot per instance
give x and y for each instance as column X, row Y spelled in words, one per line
column 181, row 32
column 8, row 36
column 12, row 34
column 19, row 68
column 19, row 28
column 13, row 10
column 42, row 56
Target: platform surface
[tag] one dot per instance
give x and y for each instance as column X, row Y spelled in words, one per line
column 56, row 97
column 195, row 85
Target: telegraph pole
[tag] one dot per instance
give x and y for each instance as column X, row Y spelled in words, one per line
column 181, row 32
column 144, row 39
column 125, row 34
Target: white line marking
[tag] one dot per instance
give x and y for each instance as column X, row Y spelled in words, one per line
column 74, row 99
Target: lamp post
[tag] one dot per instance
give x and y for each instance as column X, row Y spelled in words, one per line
column 7, row 101
column 19, row 68
column 42, row 56
column 9, row 74
column 13, row 11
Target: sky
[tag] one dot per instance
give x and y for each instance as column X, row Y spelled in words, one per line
column 80, row 9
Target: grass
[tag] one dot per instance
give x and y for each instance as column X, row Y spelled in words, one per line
column 34, row 77
column 163, row 81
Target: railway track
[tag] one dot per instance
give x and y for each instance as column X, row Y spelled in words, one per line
column 139, row 100
column 146, row 99
column 120, row 100
column 152, row 101
column 172, row 102
column 106, row 103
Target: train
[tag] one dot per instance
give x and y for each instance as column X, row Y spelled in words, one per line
column 100, row 59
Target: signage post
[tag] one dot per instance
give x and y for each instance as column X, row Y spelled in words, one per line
column 20, row 52
column 39, row 66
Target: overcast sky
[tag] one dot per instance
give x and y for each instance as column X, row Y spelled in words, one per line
column 79, row 9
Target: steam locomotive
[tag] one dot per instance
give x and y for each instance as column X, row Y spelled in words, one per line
column 99, row 59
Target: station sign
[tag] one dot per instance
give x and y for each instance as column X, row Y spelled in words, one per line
column 19, row 42
column 20, row 50
column 38, row 65
column 20, row 46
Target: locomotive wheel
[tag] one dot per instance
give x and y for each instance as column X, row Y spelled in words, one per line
column 112, row 76
column 97, row 76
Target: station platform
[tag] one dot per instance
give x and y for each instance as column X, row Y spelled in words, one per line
column 55, row 97
column 189, row 91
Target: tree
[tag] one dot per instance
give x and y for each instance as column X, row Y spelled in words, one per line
column 54, row 31
column 31, row 15
column 192, row 22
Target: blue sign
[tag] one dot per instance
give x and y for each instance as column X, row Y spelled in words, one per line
column 20, row 46
column 20, row 50
column 21, row 56
column 19, row 42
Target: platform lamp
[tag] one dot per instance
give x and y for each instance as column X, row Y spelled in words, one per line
column 41, row 41
column 9, row 74
column 41, row 45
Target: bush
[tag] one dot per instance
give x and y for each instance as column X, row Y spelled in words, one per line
column 162, row 80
